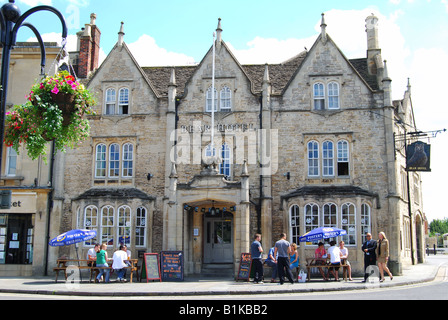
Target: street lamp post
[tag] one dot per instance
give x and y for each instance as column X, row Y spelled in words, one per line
column 11, row 20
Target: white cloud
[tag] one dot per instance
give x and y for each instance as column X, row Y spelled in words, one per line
column 148, row 53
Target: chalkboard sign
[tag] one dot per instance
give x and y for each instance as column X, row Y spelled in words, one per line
column 172, row 265
column 245, row 267
column 151, row 267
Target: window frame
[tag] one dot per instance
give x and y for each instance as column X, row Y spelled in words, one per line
column 319, row 96
column 208, row 100
column 343, row 157
column 101, row 161
column 111, row 102
column 225, row 99
column 114, row 161
column 315, row 160
column 327, row 159
column 125, row 103
column 333, row 95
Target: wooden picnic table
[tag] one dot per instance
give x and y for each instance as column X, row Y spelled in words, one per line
column 63, row 264
column 324, row 263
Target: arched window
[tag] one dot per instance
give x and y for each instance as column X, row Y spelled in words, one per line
column 225, row 166
column 208, row 103
column 343, row 158
column 311, row 217
column 319, row 96
column 123, row 101
column 124, row 225
column 114, row 160
column 226, row 99
column 294, row 216
column 90, row 222
column 327, row 159
column 349, row 223
column 140, row 228
column 333, row 95
column 128, row 160
column 111, row 97
column 313, row 158
column 330, row 215
column 365, row 221
column 100, row 161
column 107, row 225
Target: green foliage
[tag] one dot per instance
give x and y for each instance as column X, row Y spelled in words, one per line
column 439, row 226
column 44, row 119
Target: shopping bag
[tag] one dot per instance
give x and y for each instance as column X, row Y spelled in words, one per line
column 302, row 277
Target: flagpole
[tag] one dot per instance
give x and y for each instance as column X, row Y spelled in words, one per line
column 213, row 98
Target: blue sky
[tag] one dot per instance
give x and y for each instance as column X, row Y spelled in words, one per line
column 413, row 39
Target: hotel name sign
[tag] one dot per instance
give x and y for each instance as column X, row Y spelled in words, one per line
column 198, row 127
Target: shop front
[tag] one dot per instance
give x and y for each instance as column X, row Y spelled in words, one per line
column 21, row 253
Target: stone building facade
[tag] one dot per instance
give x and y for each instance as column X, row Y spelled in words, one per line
column 305, row 143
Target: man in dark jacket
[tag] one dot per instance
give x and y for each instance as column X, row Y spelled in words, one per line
column 369, row 249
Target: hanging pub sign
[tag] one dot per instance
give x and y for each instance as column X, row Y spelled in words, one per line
column 418, row 155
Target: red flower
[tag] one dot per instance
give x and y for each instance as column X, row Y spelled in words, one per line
column 70, row 77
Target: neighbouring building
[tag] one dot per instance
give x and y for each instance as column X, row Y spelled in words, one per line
column 297, row 145
column 25, row 227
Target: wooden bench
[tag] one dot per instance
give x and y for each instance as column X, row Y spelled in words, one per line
column 63, row 264
column 325, row 263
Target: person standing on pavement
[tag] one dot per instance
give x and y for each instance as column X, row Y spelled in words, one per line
column 256, row 251
column 283, row 248
column 382, row 252
column 369, row 249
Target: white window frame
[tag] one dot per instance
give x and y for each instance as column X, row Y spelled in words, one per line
column 101, row 158
column 90, row 222
column 333, row 95
column 328, row 159
column 366, row 220
column 11, row 162
column 208, row 100
column 225, row 167
column 128, row 160
column 110, row 101
column 294, row 223
column 107, row 225
column 141, row 226
column 114, row 161
column 310, row 217
column 124, row 223
column 225, row 102
column 313, row 159
column 123, row 101
column 348, row 223
column 343, row 156
column 319, row 96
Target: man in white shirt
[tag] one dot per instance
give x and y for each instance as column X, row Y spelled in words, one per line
column 335, row 259
column 118, row 264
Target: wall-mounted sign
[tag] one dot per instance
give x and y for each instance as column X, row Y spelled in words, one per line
column 418, row 156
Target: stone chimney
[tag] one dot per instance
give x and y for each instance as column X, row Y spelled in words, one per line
column 373, row 48
column 89, row 48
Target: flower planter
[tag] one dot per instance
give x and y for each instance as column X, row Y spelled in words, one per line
column 55, row 111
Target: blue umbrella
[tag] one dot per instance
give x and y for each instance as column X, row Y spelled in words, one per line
column 72, row 237
column 322, row 233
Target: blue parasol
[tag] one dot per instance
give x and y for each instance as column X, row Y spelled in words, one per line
column 322, row 233
column 72, row 237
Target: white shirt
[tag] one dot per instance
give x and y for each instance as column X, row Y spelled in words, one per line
column 119, row 257
column 92, row 253
column 335, row 254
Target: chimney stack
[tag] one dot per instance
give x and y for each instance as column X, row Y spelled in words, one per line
column 89, row 48
column 373, row 48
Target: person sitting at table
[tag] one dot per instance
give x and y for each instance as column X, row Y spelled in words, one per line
column 344, row 256
column 101, row 262
column 271, row 261
column 335, row 259
column 320, row 256
column 119, row 263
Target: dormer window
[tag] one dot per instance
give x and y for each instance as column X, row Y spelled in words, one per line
column 224, row 104
column 326, row 96
column 117, row 104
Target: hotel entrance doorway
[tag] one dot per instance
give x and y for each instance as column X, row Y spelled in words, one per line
column 218, row 240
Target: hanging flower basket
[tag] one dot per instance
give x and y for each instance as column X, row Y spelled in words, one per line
column 55, row 111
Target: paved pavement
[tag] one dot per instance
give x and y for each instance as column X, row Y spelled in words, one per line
column 420, row 273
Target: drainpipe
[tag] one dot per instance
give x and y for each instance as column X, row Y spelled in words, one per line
column 260, row 199
column 49, row 207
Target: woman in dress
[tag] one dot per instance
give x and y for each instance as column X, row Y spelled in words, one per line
column 382, row 253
